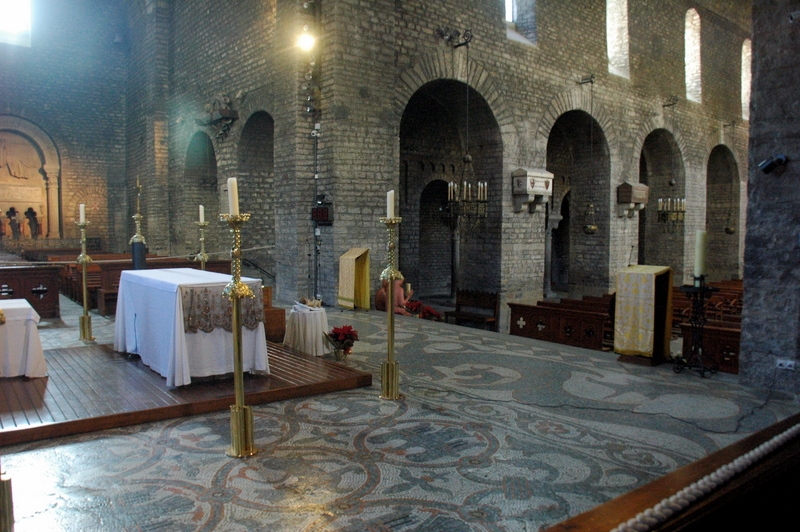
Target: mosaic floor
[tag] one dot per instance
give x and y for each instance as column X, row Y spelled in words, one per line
column 496, row 433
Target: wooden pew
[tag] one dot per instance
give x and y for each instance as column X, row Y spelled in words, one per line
column 274, row 318
column 721, row 341
column 473, row 306
column 551, row 322
column 38, row 284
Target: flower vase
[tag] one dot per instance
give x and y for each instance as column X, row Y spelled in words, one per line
column 340, row 354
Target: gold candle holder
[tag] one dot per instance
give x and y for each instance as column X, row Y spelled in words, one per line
column 390, row 370
column 241, row 416
column 84, row 259
column 202, row 256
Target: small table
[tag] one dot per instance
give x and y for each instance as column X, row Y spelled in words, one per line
column 304, row 330
column 151, row 322
column 20, row 347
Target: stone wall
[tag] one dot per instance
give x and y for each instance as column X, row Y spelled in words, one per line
column 70, row 83
column 772, row 276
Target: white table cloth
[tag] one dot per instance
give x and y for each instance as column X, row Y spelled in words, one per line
column 20, row 347
column 304, row 330
column 150, row 323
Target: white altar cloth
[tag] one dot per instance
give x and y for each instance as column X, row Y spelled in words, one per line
column 304, row 330
column 20, row 347
column 150, row 323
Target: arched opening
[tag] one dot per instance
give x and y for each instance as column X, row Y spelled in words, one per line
column 617, row 37
column 722, row 215
column 747, row 77
column 578, row 156
column 692, row 56
column 256, row 179
column 434, row 240
column 30, row 176
column 661, row 237
column 436, row 131
column 198, row 187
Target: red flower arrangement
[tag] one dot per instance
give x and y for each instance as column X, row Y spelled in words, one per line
column 427, row 313
column 342, row 337
column 414, row 307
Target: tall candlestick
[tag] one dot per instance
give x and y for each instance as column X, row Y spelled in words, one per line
column 700, row 253
column 82, row 208
column 390, row 204
column 233, row 196
column 202, row 214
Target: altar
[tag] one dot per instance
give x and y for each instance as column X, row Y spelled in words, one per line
column 20, row 347
column 179, row 323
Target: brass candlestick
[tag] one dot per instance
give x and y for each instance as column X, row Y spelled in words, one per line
column 241, row 415
column 390, row 371
column 202, row 256
column 138, row 237
column 84, row 260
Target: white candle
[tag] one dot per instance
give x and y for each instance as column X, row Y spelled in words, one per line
column 82, row 209
column 700, row 253
column 233, row 196
column 390, row 204
column 202, row 214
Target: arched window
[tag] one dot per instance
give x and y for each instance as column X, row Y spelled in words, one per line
column 511, row 7
column 521, row 19
column 694, row 90
column 15, row 22
column 617, row 38
column 747, row 77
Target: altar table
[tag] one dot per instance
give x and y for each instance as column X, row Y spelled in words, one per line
column 305, row 328
column 150, row 322
column 20, row 347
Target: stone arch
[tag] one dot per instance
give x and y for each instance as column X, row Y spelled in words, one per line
column 578, row 154
column 577, row 99
column 256, row 179
column 722, row 214
column 451, row 64
column 30, row 136
column 198, row 187
column 661, row 224
column 436, row 131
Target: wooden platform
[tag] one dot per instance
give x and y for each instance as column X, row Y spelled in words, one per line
column 92, row 388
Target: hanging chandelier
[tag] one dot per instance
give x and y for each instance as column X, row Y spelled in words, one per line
column 469, row 197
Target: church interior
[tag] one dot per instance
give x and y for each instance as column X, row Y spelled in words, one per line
column 546, row 165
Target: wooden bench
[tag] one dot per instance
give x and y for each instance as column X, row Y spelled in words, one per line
column 561, row 325
column 721, row 341
column 274, row 318
column 473, row 306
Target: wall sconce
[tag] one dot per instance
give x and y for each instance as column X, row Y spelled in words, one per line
column 590, row 227
column 771, row 164
column 631, row 197
column 533, row 187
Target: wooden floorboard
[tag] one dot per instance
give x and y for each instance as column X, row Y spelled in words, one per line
column 93, row 388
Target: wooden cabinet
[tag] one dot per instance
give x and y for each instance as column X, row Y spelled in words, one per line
column 38, row 285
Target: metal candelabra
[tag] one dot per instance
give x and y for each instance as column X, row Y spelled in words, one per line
column 84, row 259
column 390, row 371
column 241, row 415
column 202, row 256
column 695, row 359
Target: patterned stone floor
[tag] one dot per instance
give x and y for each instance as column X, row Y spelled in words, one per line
column 496, row 433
